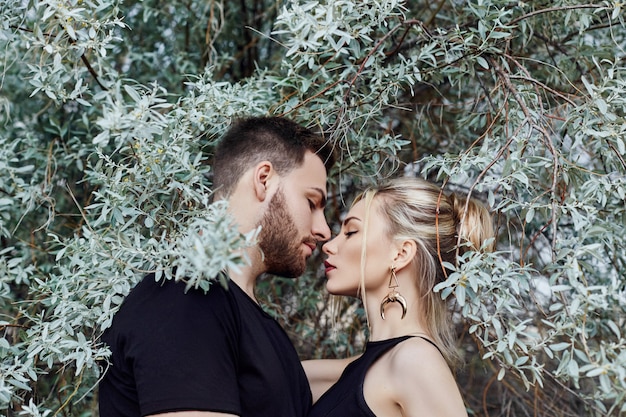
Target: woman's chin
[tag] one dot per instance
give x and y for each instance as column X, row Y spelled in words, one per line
column 344, row 292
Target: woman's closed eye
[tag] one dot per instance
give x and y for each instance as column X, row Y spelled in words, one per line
column 350, row 233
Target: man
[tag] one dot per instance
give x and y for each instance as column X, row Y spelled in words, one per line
column 219, row 354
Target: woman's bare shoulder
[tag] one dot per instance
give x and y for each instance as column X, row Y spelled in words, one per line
column 417, row 379
column 414, row 354
column 422, row 381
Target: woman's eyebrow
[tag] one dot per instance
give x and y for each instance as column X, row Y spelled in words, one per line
column 349, row 219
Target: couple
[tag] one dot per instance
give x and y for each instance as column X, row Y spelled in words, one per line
column 219, row 354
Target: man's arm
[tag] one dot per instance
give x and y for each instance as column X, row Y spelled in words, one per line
column 323, row 373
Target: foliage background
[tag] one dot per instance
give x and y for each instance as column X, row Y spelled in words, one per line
column 109, row 111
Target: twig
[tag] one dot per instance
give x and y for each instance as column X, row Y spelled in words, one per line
column 507, row 82
column 619, row 156
column 555, row 9
column 542, row 85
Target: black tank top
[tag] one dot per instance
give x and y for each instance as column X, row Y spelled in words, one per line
column 345, row 398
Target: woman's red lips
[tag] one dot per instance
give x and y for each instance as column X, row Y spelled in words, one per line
column 328, row 266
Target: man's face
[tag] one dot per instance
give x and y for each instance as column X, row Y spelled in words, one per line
column 294, row 220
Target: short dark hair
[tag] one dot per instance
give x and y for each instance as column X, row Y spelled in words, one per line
column 250, row 140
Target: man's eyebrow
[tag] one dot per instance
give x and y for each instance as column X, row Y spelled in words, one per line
column 322, row 194
column 349, row 219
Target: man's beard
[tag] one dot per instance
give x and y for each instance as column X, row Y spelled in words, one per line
column 279, row 240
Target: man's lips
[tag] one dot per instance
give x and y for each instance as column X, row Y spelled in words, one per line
column 311, row 246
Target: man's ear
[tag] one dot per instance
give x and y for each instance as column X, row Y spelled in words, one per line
column 262, row 174
column 406, row 251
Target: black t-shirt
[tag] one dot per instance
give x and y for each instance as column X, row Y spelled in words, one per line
column 219, row 351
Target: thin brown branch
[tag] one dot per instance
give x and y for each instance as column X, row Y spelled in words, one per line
column 17, row 326
column 434, row 14
column 589, row 29
column 555, row 9
column 548, row 141
column 542, row 85
column 369, row 55
column 618, row 154
column 83, row 58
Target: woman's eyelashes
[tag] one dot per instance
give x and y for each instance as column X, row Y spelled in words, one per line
column 349, row 233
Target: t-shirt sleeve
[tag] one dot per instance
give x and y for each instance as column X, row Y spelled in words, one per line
column 185, row 357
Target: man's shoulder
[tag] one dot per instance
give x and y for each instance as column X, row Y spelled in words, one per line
column 170, row 287
column 156, row 310
column 169, row 298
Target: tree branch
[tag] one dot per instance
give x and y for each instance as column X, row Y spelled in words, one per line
column 555, row 9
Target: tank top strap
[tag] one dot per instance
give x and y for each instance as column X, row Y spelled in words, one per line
column 431, row 342
column 374, row 350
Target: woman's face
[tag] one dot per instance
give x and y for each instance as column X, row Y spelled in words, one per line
column 343, row 265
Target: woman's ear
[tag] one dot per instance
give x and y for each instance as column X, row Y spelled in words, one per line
column 406, row 251
column 261, row 176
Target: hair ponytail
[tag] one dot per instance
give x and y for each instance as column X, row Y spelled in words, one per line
column 474, row 225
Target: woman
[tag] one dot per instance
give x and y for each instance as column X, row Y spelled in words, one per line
column 390, row 252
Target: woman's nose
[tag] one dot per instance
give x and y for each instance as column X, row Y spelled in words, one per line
column 329, row 248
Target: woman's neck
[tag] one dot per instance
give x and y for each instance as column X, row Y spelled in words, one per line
column 393, row 325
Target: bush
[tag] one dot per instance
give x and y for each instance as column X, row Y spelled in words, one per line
column 110, row 111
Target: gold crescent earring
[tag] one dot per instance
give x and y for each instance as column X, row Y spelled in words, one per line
column 393, row 296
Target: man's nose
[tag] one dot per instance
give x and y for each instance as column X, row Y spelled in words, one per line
column 321, row 230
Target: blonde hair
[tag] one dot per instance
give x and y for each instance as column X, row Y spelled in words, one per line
column 443, row 227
